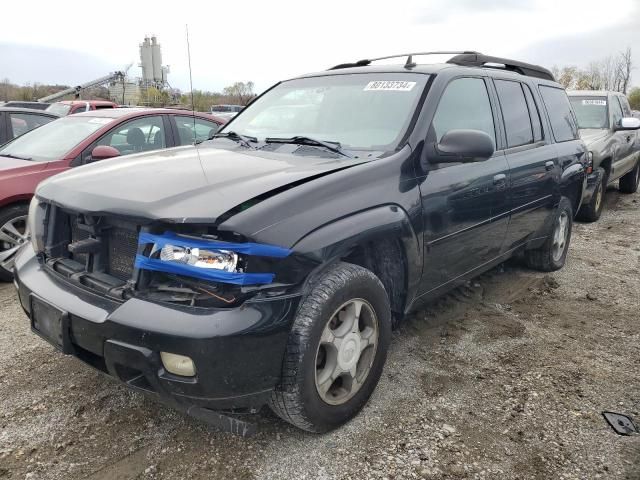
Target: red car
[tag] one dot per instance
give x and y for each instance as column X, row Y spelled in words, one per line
column 69, row 107
column 77, row 140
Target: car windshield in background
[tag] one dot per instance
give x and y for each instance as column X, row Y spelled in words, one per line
column 53, row 140
column 359, row 111
column 61, row 109
column 592, row 112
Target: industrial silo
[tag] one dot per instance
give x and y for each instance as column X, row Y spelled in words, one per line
column 157, row 59
column 146, row 60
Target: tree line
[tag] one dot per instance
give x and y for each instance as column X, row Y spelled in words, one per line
column 239, row 93
column 610, row 73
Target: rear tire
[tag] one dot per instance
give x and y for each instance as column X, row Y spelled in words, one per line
column 333, row 360
column 13, row 225
column 552, row 255
column 591, row 211
column 629, row 182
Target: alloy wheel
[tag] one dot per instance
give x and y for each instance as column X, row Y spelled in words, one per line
column 13, row 234
column 560, row 234
column 346, row 351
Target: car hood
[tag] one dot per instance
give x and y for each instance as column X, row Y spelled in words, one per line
column 592, row 135
column 184, row 184
column 12, row 167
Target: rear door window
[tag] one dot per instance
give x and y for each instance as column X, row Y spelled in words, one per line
column 563, row 122
column 192, row 131
column 464, row 105
column 534, row 113
column 515, row 113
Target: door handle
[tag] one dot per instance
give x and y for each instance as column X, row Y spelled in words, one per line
column 499, row 179
column 628, row 138
column 549, row 165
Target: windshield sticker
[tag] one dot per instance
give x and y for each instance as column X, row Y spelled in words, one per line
column 601, row 103
column 102, row 121
column 390, row 85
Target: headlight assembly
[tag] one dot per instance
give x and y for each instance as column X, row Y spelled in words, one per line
column 205, row 259
column 35, row 224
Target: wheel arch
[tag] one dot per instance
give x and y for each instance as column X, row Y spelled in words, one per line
column 380, row 239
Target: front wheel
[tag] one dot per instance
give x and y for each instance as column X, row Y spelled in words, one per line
column 629, row 182
column 552, row 255
column 13, row 233
column 336, row 349
column 591, row 211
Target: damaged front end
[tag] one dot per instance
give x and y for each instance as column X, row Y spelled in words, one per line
column 186, row 264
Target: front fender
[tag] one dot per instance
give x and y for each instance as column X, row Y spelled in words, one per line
column 337, row 239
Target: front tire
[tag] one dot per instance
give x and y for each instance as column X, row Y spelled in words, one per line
column 552, row 255
column 629, row 182
column 13, row 234
column 591, row 211
column 336, row 350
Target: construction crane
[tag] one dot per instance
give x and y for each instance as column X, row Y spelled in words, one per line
column 112, row 77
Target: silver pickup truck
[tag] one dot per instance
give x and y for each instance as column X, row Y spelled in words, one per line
column 611, row 134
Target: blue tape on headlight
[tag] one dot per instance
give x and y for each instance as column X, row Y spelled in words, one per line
column 211, row 274
column 234, row 278
column 171, row 238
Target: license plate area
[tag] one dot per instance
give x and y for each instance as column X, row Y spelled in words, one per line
column 50, row 323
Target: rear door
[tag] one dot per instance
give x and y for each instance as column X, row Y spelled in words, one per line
column 532, row 159
column 464, row 205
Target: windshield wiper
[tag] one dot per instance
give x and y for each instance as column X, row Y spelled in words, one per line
column 241, row 139
column 302, row 140
column 11, row 155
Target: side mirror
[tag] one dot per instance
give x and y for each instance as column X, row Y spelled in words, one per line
column 628, row 123
column 462, row 146
column 102, row 152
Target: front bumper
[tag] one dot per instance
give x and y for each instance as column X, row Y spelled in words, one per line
column 593, row 180
column 237, row 352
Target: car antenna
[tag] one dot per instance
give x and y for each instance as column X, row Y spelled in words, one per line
column 193, row 106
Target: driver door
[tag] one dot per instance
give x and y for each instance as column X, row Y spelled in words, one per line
column 464, row 205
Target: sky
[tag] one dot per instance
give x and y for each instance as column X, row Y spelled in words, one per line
column 268, row 41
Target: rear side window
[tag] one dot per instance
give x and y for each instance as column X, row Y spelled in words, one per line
column 563, row 123
column 534, row 113
column 515, row 113
column 464, row 105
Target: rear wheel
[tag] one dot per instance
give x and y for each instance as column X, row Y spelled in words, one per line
column 336, row 349
column 552, row 255
column 13, row 234
column 629, row 182
column 591, row 211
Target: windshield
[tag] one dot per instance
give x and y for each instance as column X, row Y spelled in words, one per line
column 592, row 112
column 61, row 109
column 360, row 111
column 53, row 140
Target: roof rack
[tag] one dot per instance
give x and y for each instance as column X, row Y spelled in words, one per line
column 479, row 60
column 465, row 59
column 408, row 64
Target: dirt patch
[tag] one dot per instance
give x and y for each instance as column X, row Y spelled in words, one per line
column 505, row 378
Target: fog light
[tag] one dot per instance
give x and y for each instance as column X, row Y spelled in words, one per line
column 178, row 364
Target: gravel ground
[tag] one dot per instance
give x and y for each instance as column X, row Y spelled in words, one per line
column 503, row 379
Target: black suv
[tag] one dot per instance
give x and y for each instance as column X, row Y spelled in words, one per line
column 270, row 264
